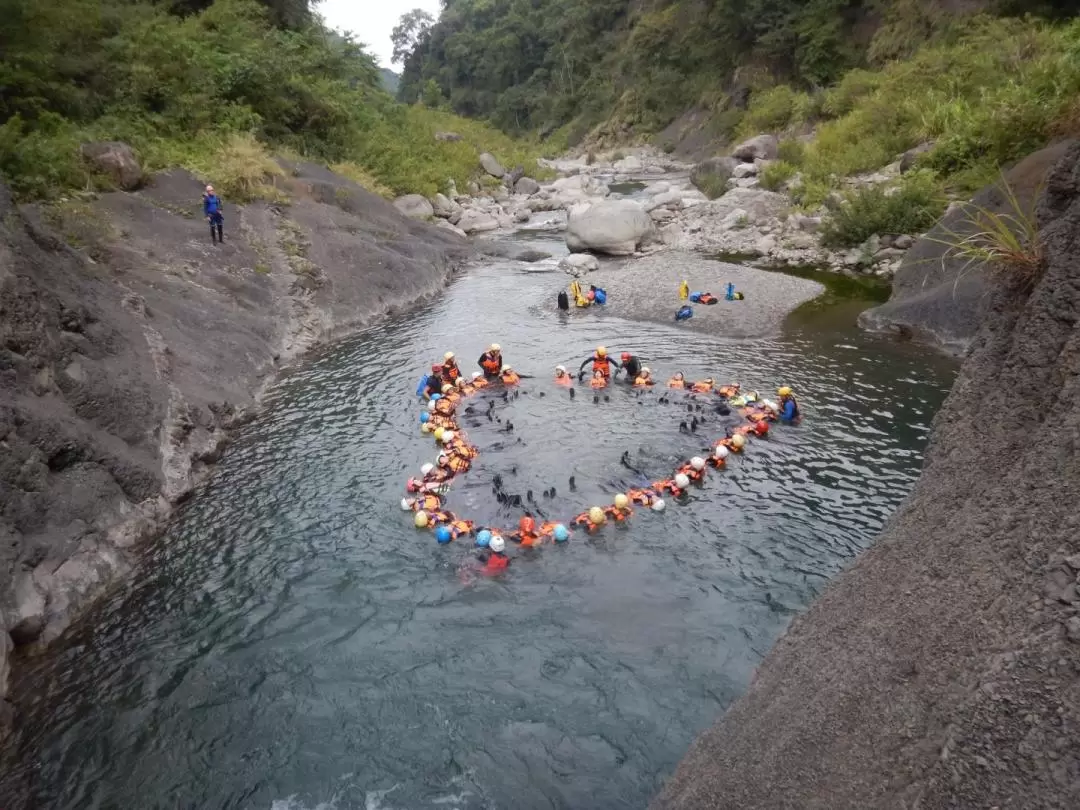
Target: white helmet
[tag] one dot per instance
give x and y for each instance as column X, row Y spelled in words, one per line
column 406, row 505
column 476, row 375
column 658, row 505
column 427, row 468
column 448, row 436
column 507, row 368
column 681, row 481
column 431, row 405
column 646, row 371
column 496, row 543
column 561, row 369
column 448, row 356
column 721, row 452
column 698, row 463
column 495, row 347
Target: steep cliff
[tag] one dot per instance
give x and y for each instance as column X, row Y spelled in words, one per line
column 129, row 345
column 943, row 668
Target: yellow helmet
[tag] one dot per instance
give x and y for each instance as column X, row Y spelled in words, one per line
column 448, row 356
column 447, row 388
column 783, row 391
column 601, row 351
column 495, row 347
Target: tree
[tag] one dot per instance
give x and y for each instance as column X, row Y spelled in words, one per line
column 408, row 32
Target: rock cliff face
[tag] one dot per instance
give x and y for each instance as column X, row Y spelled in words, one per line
column 942, row 670
column 129, row 345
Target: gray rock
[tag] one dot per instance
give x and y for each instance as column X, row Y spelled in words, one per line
column 492, row 166
column 442, row 206
column 747, row 182
column 522, row 215
column 657, row 188
column 513, row 176
column 617, row 227
column 628, row 165
column 27, row 620
column 745, row 170
column 938, row 296
column 415, row 206
column 450, row 137
column 711, row 176
column 911, row 156
column 532, row 256
column 1072, row 629
column 736, row 218
column 115, row 160
column 447, row 225
column 5, row 669
column 577, row 264
column 662, row 215
column 763, row 147
column 474, row 221
column 903, row 242
column 526, row 186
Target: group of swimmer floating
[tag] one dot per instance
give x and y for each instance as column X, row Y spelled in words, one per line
column 446, row 386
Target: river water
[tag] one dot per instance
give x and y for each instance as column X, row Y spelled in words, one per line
column 293, row 643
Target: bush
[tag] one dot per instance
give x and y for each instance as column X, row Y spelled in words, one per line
column 912, row 207
column 40, row 161
column 776, row 174
column 791, row 151
column 770, row 111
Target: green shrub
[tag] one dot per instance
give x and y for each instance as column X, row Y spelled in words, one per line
column 791, row 151
column 776, row 174
column 40, row 161
column 770, row 111
column 712, row 185
column 912, row 207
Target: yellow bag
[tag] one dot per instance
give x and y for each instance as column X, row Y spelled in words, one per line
column 684, row 291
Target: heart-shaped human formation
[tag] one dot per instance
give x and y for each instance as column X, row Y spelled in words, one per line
column 426, row 493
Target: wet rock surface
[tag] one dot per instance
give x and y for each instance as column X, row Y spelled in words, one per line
column 941, row 670
column 125, row 363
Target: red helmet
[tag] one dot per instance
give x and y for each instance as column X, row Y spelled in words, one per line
column 436, row 367
column 626, row 355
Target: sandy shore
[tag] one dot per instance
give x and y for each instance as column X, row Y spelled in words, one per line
column 648, row 289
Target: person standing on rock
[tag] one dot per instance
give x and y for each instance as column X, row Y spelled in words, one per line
column 211, row 204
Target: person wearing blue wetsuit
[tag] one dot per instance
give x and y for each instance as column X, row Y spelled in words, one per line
column 789, row 407
column 211, row 204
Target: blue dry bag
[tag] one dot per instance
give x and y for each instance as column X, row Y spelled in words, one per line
column 422, row 386
column 730, row 295
column 684, row 313
column 601, row 296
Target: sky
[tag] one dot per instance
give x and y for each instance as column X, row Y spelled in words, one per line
column 371, row 21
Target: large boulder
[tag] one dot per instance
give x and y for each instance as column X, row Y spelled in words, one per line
column 513, row 176
column 526, row 186
column 473, row 221
column 909, row 158
column 116, row 161
column 617, row 227
column 763, row 147
column 711, row 176
column 446, row 225
column 415, row 206
column 939, row 296
column 628, row 165
column 492, row 166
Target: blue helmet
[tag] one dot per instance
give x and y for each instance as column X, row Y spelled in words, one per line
column 443, row 535
column 561, row 533
column 436, row 397
column 424, row 417
column 483, row 537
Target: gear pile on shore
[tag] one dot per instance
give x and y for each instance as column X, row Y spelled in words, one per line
column 427, row 493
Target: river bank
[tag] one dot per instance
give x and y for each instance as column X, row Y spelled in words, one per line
column 133, row 348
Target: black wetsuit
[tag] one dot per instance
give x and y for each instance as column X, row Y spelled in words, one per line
column 632, row 367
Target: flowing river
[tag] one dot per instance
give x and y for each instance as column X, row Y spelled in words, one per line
column 293, row 643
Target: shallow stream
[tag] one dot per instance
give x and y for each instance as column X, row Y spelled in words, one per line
column 294, row 643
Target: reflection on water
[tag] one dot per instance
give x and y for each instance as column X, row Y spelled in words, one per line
column 294, row 643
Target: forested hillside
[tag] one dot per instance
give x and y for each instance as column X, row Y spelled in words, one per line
column 209, row 85
column 541, row 64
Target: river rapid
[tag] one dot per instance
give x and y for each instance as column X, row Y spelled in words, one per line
column 293, row 643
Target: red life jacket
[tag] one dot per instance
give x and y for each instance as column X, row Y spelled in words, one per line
column 496, row 562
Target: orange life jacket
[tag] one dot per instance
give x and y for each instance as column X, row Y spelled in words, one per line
column 667, row 486
column 642, row 382
column 689, row 471
column 441, row 518
column 444, row 406
column 581, row 520
column 510, row 378
column 491, row 363
column 615, row 513
column 548, row 529
column 442, row 420
column 643, row 497
column 428, row 503
column 718, row 463
column 479, row 383
column 701, row 387
column 456, row 464
column 728, row 390
column 673, row 383
column 601, row 364
column 460, row 527
column 598, row 382
column 450, row 371
column 497, row 562
column 459, row 447
column 565, row 379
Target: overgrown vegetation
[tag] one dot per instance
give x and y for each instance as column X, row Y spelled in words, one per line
column 912, row 207
column 212, row 85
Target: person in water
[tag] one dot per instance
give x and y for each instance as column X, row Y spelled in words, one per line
column 450, row 370
column 509, row 376
column 491, row 361
column 598, row 379
column 703, row 386
column 678, row 381
column 562, row 378
column 434, row 382
column 631, row 365
column 789, row 406
column 494, row 558
column 644, row 379
column 212, row 210
column 600, row 363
